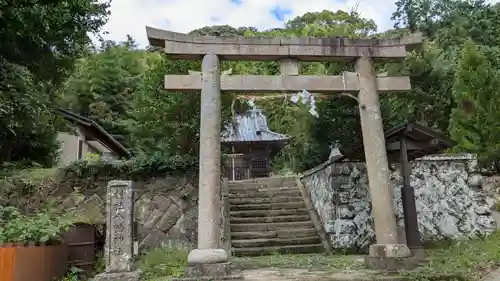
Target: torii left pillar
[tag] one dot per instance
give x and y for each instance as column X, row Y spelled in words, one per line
column 208, row 260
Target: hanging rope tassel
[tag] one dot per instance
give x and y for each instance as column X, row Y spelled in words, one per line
column 345, row 88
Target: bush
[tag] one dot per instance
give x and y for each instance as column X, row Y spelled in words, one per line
column 137, row 167
column 44, row 227
column 163, row 262
column 461, row 260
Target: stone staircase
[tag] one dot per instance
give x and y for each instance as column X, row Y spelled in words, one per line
column 268, row 215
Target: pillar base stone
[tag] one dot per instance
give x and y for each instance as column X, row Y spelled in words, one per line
column 391, row 264
column 209, row 272
column 418, row 253
column 391, row 257
column 119, row 276
column 207, row 256
column 389, row 251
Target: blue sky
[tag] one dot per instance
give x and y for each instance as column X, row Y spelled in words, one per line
column 131, row 16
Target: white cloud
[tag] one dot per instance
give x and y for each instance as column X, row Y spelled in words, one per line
column 132, row 16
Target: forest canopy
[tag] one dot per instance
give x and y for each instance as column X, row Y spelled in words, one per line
column 454, row 79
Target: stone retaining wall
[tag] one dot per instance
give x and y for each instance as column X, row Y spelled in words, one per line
column 165, row 211
column 450, row 201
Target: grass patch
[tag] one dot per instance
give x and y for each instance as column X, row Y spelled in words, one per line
column 26, row 187
column 465, row 260
column 162, row 263
column 462, row 260
column 36, row 175
column 306, row 261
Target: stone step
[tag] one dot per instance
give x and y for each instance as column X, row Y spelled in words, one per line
column 245, row 185
column 269, row 206
column 289, row 218
column 265, row 213
column 287, row 233
column 265, row 200
column 240, row 185
column 295, row 249
column 271, row 242
column 266, row 193
column 271, row 181
column 243, row 227
column 246, row 190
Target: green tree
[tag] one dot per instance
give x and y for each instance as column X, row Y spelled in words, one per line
column 330, row 24
column 450, row 22
column 103, row 84
column 47, row 37
column 448, row 25
column 161, row 122
column 40, row 42
column 429, row 101
column 222, row 30
column 27, row 125
column 475, row 121
column 338, row 123
column 166, row 123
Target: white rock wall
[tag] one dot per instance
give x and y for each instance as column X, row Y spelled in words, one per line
column 449, row 199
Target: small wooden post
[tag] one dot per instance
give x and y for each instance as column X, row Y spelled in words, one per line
column 413, row 240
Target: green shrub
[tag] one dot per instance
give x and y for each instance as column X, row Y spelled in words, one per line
column 43, row 227
column 164, row 261
column 20, row 185
column 135, row 168
column 461, row 260
column 73, row 274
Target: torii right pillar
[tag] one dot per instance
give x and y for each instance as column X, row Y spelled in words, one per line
column 387, row 253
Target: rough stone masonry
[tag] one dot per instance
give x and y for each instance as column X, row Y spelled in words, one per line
column 449, row 199
column 165, row 209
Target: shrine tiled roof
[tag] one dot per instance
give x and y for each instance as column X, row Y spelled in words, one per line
column 251, row 127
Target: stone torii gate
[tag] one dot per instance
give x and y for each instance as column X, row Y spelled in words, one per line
column 289, row 51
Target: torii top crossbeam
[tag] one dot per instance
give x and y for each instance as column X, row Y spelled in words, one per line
column 193, row 47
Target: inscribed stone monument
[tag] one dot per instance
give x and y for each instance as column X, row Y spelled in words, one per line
column 119, row 238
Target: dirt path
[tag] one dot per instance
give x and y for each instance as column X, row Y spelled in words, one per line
column 493, row 276
column 281, row 274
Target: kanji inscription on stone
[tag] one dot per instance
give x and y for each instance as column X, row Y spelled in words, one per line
column 119, row 226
